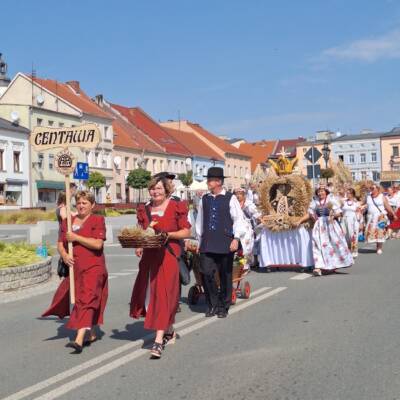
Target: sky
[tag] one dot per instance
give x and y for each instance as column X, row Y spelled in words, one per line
column 256, row 69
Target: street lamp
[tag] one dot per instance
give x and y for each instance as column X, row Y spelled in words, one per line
column 326, row 151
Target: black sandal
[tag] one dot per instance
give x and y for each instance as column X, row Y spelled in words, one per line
column 77, row 347
column 156, row 350
column 169, row 338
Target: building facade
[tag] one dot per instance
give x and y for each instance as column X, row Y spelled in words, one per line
column 14, row 166
column 390, row 156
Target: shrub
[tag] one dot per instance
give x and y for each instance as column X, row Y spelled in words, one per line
column 16, row 254
column 26, row 217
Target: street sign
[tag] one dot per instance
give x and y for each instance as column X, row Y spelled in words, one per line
column 81, row 171
column 313, row 154
column 313, row 172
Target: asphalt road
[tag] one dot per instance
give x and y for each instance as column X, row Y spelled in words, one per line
column 297, row 337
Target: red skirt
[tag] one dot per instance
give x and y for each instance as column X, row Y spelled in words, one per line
column 162, row 269
column 91, row 292
column 395, row 224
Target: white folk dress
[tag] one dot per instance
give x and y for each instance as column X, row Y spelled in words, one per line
column 376, row 229
column 330, row 249
column 350, row 223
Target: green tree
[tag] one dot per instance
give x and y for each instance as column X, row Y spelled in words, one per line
column 96, row 181
column 186, row 179
column 138, row 179
column 327, row 173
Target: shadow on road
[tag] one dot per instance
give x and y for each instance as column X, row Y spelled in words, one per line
column 132, row 332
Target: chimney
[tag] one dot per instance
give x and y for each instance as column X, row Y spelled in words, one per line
column 74, row 85
column 99, row 99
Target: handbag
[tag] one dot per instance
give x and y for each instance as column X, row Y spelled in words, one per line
column 382, row 221
column 62, row 268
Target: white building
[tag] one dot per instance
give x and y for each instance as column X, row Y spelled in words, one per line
column 14, row 166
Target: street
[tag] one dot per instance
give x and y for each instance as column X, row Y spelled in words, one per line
column 297, row 337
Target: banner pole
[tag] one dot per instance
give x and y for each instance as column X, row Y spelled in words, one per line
column 69, row 228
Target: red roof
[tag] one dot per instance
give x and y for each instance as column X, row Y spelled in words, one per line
column 289, row 145
column 259, row 151
column 151, row 128
column 194, row 144
column 74, row 95
column 222, row 144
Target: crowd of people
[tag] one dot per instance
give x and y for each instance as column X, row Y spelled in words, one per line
column 224, row 222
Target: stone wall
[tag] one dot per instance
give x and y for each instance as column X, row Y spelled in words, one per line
column 27, row 275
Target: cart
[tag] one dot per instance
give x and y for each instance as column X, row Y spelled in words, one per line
column 241, row 287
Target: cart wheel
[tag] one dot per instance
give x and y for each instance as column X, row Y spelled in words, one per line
column 193, row 295
column 245, row 290
column 234, row 296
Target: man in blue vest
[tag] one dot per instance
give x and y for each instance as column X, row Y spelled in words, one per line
column 219, row 227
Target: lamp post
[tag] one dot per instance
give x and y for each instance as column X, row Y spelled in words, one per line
column 326, row 151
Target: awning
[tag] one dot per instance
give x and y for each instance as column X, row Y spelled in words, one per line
column 50, row 185
column 17, row 181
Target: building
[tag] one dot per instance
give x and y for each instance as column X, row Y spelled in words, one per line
column 14, row 166
column 237, row 163
column 259, row 153
column 390, row 156
column 131, row 148
column 303, row 162
column 177, row 157
column 203, row 156
column 360, row 153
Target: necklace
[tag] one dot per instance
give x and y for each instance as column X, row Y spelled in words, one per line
column 321, row 204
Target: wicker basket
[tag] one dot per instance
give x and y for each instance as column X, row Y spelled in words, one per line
column 143, row 242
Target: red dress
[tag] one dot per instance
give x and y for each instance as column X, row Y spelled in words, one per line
column 396, row 223
column 162, row 268
column 91, row 279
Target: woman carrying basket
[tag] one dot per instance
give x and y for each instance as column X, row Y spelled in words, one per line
column 155, row 294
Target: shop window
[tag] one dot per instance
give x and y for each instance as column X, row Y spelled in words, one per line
column 17, row 161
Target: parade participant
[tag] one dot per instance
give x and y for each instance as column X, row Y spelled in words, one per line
column 378, row 208
column 392, row 198
column 330, row 250
column 219, row 227
column 91, row 286
column 155, row 294
column 351, row 220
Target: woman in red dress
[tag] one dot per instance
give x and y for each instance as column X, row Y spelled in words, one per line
column 155, row 294
column 91, row 285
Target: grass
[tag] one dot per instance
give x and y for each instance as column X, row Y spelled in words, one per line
column 26, row 217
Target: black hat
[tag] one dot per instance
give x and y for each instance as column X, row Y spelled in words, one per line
column 215, row 172
column 164, row 174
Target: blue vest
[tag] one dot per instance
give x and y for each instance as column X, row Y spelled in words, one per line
column 217, row 224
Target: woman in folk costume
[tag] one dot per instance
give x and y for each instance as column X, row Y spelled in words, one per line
column 351, row 220
column 378, row 209
column 330, row 249
column 90, row 273
column 155, row 294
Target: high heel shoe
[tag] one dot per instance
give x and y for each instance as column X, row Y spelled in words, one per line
column 169, row 338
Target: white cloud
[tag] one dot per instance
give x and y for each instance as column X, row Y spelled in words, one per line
column 386, row 46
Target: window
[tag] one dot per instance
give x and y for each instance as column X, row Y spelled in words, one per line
column 39, row 122
column 118, row 191
column 51, row 123
column 363, row 157
column 376, row 176
column 198, row 169
column 154, row 165
column 126, row 162
column 182, row 166
column 87, row 157
column 169, row 165
column 176, row 167
column 363, row 175
column 97, row 159
column 106, row 132
column 161, row 165
column 395, row 151
column 353, row 175
column 228, row 170
column 235, row 171
column 40, row 160
column 60, row 124
column 1, row 160
column 373, row 157
column 51, row 161
column 134, row 166
column 241, row 172
column 351, row 158
column 341, row 157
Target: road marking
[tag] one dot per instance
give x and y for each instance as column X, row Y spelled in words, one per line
column 104, row 357
column 92, row 375
column 112, row 277
column 120, row 255
column 300, row 277
column 120, row 273
column 130, row 270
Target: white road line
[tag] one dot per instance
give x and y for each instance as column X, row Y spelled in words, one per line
column 112, row 277
column 90, row 376
column 120, row 273
column 129, row 270
column 104, row 357
column 300, row 277
column 120, row 255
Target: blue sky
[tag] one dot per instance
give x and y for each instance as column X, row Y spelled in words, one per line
column 252, row 69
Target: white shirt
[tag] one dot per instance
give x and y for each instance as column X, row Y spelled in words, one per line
column 239, row 223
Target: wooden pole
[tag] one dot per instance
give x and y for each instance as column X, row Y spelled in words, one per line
column 69, row 228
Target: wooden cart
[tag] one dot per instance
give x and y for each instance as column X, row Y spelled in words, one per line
column 240, row 288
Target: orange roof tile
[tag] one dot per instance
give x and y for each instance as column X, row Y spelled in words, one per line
column 77, row 98
column 146, row 124
column 222, row 144
column 259, row 151
column 194, row 144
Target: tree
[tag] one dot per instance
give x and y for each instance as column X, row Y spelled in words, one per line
column 186, row 179
column 138, row 179
column 327, row 173
column 96, row 181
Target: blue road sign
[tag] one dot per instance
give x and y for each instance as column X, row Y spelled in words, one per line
column 81, row 171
